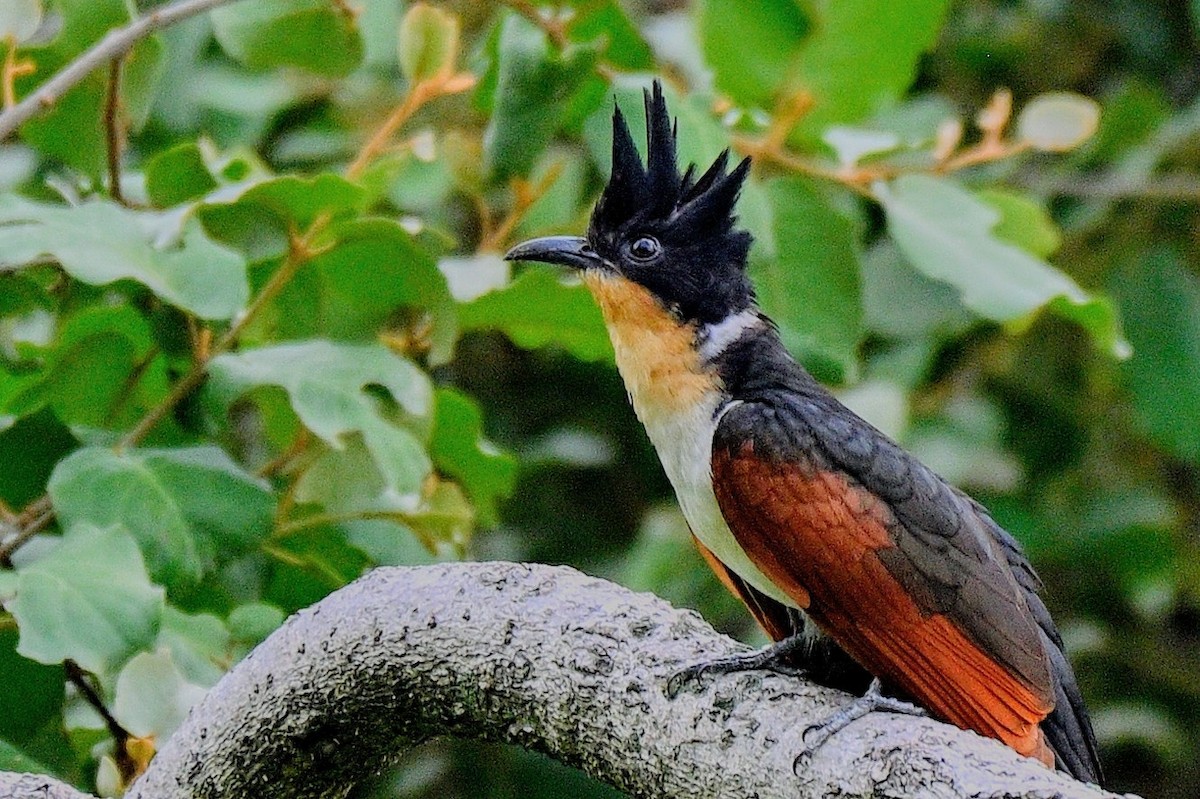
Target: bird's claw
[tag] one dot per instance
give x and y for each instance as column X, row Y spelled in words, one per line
column 817, row 735
column 772, row 658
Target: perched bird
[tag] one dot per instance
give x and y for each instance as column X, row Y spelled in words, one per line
column 839, row 541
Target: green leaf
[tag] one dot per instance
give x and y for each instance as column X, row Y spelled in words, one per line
column 30, row 692
column 428, row 42
column 185, row 507
column 88, row 372
column 253, row 622
column 373, row 276
column 751, row 75
column 1058, row 121
column 459, row 450
column 860, row 58
column 177, row 175
column 316, row 35
column 329, row 388
column 561, row 205
column 947, row 234
column 152, row 697
column 89, row 600
column 605, row 20
column 1023, row 222
column 101, row 242
column 19, row 19
column 811, row 287
column 535, row 85
column 312, row 563
column 537, row 310
column 901, row 302
column 13, row 759
column 1161, row 302
column 199, row 645
column 445, row 517
column 1131, row 115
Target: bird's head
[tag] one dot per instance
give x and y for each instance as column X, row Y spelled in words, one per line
column 673, row 235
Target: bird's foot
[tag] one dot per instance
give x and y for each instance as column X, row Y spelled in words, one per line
column 770, row 658
column 817, row 735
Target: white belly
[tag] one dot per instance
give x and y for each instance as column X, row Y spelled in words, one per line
column 675, row 396
column 684, row 445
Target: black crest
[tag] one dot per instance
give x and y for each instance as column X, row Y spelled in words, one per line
column 679, row 206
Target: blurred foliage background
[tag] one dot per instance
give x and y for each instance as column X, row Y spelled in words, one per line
column 256, row 335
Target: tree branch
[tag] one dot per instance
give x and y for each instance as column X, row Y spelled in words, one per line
column 556, row 662
column 115, row 44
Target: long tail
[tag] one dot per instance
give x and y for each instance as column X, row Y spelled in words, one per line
column 1068, row 729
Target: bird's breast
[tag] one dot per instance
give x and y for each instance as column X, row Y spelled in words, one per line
column 678, row 400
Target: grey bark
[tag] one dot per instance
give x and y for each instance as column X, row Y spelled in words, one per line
column 554, row 661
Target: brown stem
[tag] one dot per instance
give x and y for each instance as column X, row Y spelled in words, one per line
column 419, row 95
column 524, row 196
column 126, row 765
column 115, row 43
column 28, row 530
column 114, row 136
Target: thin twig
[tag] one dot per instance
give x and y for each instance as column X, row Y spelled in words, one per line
column 12, row 69
column 417, row 97
column 126, row 765
column 26, row 532
column 525, row 194
column 114, row 137
column 195, row 376
column 7, row 514
column 116, row 42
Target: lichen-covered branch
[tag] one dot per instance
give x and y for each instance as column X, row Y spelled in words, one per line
column 554, row 661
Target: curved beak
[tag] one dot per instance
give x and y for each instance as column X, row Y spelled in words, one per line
column 572, row 251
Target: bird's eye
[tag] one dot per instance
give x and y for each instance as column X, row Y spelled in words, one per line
column 645, row 248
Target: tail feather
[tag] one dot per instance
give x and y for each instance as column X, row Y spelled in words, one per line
column 1068, row 729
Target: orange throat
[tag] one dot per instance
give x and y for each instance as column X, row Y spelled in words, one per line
column 656, row 352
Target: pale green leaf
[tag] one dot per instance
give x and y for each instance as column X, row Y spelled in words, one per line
column 329, row 385
column 316, row 35
column 19, row 19
column 854, row 144
column 185, row 507
column 199, row 645
column 254, row 621
column 947, row 234
column 428, row 42
column 89, row 600
column 101, row 242
column 1023, row 222
column 1058, row 121
column 152, row 697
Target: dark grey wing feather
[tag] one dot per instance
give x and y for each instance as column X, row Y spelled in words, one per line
column 954, row 556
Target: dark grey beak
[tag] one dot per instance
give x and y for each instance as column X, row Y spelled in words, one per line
column 571, row 251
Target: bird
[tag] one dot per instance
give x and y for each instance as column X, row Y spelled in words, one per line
column 851, row 554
